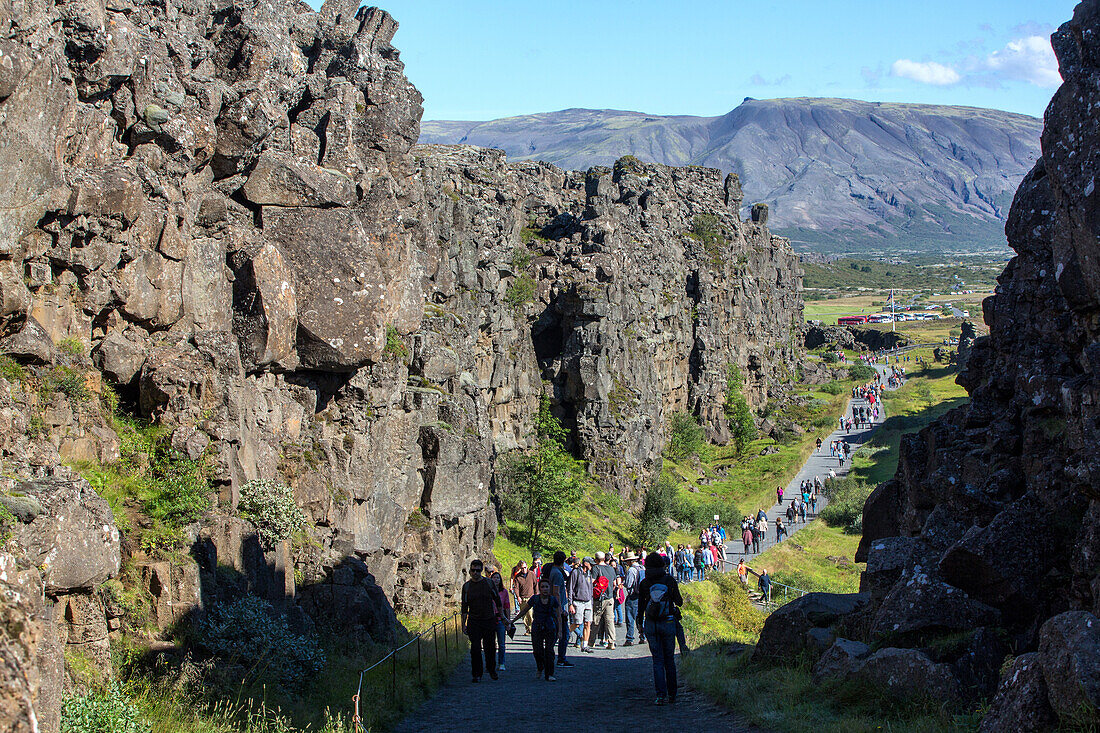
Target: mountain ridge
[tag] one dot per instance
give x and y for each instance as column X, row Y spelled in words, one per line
column 839, row 174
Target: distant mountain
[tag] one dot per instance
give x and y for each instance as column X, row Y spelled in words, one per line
column 839, row 174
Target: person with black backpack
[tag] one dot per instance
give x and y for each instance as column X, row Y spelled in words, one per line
column 658, row 601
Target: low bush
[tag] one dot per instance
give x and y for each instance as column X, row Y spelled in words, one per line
column 521, row 291
column 102, row 711
column 271, row 507
column 833, row 387
column 846, row 499
column 248, row 635
column 830, row 357
column 696, row 514
column 861, row 372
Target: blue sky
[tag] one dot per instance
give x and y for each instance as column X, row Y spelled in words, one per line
column 479, row 60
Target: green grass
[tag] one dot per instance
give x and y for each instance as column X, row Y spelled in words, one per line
column 749, row 482
column 907, row 412
column 152, row 490
column 786, row 699
column 719, row 610
column 978, row 273
column 181, row 700
column 811, row 560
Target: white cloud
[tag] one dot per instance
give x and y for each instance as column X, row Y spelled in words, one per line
column 1029, row 59
column 925, row 72
column 758, row 80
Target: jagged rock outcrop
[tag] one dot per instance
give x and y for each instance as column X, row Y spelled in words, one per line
column 994, row 510
column 220, row 203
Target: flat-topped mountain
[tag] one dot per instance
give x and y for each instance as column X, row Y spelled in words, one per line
column 839, row 174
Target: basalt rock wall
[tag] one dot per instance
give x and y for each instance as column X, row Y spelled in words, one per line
column 992, row 521
column 221, row 205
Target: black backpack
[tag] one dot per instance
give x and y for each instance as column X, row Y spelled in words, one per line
column 660, row 608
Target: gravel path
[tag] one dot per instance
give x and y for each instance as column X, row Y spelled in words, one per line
column 617, row 682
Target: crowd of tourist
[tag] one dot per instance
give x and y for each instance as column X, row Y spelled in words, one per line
column 582, row 601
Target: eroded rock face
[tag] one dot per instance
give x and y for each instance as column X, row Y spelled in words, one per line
column 224, row 203
column 1009, row 481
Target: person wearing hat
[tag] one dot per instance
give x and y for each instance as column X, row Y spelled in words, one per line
column 579, row 591
column 630, row 607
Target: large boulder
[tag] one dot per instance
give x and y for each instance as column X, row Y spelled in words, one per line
column 986, row 562
column 1069, row 654
column 1020, row 704
column 74, row 540
column 920, row 602
column 840, row 660
column 783, row 637
column 908, row 674
column 21, row 633
column 886, row 558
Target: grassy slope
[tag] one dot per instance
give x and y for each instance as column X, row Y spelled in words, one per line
column 818, row 558
column 785, row 698
column 749, row 483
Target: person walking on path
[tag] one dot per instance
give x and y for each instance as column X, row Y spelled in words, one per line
column 778, row 494
column 546, row 612
column 780, row 530
column 631, row 583
column 603, row 599
column 748, row 538
column 524, row 585
column 580, row 601
column 765, row 583
column 479, row 609
column 502, row 621
column 558, row 577
column 658, row 597
column 743, row 572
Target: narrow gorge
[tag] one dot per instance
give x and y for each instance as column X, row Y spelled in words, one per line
column 215, row 220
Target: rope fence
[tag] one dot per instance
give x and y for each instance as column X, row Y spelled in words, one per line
column 789, row 591
column 427, row 655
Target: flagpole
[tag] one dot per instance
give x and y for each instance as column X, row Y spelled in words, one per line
column 893, row 313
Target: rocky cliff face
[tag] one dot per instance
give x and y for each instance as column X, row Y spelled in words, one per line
column 993, row 519
column 222, row 205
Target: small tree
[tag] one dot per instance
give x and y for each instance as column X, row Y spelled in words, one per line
column 685, row 436
column 660, row 502
column 737, row 410
column 542, row 482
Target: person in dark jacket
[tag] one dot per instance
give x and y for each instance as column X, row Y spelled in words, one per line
column 479, row 610
column 765, row 585
column 658, row 604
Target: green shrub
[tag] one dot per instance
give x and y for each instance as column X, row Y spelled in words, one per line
column 521, row 291
column 250, row 633
column 70, row 346
column 7, row 523
column 861, row 372
column 271, row 507
column 833, row 387
column 846, row 499
column 12, row 370
column 658, row 506
column 395, row 345
column 695, row 513
column 830, row 357
column 521, row 258
column 685, row 436
column 707, row 230
column 102, row 711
